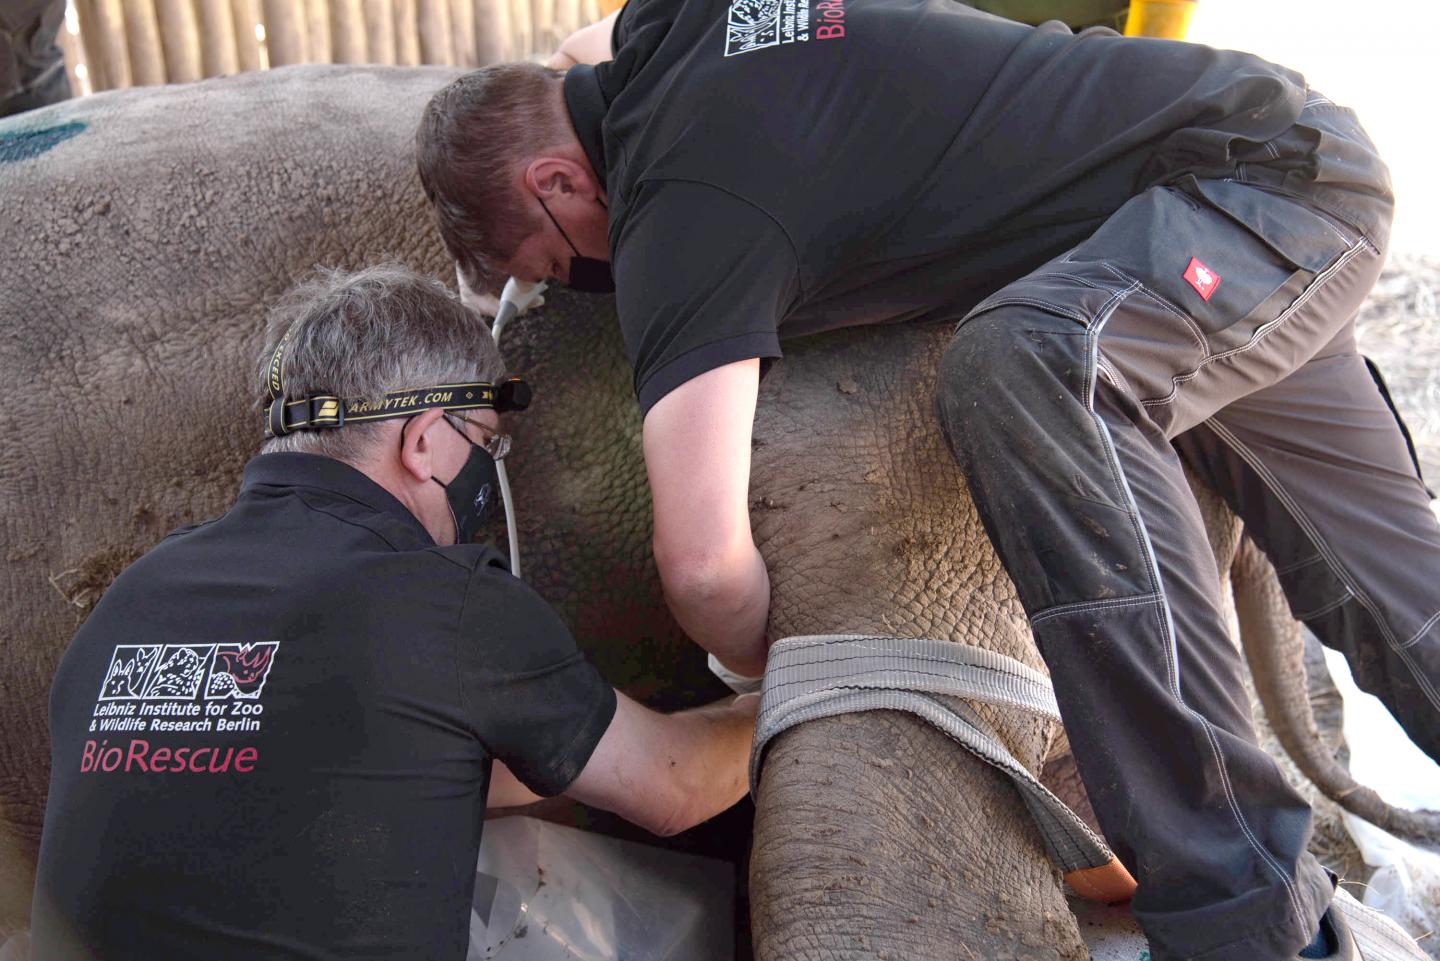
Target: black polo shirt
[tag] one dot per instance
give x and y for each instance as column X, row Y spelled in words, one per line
column 273, row 735
column 779, row 167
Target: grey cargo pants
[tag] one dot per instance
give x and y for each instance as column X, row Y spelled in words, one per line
column 1107, row 368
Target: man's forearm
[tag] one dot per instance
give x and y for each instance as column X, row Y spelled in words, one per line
column 697, row 453
column 590, row 44
column 723, row 605
column 669, row 772
column 709, row 758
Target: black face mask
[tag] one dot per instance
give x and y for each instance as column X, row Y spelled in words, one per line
column 587, row 275
column 473, row 492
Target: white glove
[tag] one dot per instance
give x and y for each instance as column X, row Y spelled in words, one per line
column 738, row 683
column 487, row 304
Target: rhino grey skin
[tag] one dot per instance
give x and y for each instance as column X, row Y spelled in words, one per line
column 137, row 258
column 919, row 850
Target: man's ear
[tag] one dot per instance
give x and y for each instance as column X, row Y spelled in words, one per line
column 550, row 177
column 417, row 444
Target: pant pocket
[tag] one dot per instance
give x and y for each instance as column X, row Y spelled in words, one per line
column 1231, row 257
column 1278, row 249
column 1300, row 235
column 1059, row 288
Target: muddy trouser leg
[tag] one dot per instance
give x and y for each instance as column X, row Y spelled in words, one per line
column 1319, row 472
column 1060, row 396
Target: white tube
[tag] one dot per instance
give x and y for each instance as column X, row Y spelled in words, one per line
column 510, row 530
column 515, row 298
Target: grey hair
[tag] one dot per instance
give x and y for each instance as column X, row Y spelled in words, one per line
column 361, row 335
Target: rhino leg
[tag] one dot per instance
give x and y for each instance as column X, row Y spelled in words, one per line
column 876, row 835
column 877, row 838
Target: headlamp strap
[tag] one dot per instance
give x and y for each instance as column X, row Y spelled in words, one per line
column 323, row 411
column 274, row 382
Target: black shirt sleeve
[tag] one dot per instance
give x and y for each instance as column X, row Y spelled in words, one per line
column 619, row 31
column 702, row 280
column 530, row 695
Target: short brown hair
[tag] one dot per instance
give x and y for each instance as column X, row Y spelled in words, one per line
column 473, row 134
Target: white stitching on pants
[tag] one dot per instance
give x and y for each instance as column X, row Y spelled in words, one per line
column 1166, row 622
column 1302, row 519
column 1265, row 329
column 1327, row 607
column 1113, row 376
column 1067, row 312
column 1094, row 606
column 1163, row 303
column 1288, row 568
column 1077, row 278
column 1189, row 322
column 1331, row 559
column 1404, row 654
column 1424, row 629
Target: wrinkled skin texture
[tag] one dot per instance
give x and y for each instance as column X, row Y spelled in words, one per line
column 901, row 847
column 136, row 261
column 135, row 265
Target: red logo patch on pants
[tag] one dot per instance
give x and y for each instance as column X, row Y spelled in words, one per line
column 1202, row 278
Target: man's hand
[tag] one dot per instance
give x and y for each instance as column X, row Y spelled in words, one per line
column 669, row 772
column 587, row 45
column 697, row 453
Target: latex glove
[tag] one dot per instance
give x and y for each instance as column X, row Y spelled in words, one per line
column 487, row 304
column 738, row 683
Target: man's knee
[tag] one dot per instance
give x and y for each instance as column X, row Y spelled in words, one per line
column 979, row 353
column 1008, row 359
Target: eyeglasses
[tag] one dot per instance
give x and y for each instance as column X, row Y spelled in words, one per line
column 497, row 445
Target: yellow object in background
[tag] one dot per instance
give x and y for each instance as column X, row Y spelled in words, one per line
column 608, row 7
column 1169, row 19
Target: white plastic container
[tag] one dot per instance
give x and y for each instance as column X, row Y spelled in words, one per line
column 550, row 893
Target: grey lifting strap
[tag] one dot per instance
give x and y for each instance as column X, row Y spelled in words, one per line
column 822, row 676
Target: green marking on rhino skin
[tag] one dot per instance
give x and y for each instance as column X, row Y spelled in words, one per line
column 27, row 144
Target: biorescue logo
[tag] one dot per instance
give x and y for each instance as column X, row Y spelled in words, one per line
column 758, row 24
column 139, row 757
column 179, row 688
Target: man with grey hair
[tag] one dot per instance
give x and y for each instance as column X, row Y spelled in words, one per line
column 277, row 734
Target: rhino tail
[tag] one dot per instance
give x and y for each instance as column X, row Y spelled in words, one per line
column 1275, row 645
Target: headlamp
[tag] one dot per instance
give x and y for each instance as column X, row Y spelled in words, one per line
column 325, row 411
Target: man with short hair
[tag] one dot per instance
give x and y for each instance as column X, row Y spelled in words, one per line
column 277, row 733
column 1154, row 251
